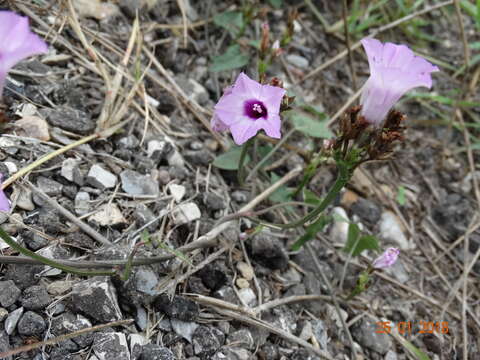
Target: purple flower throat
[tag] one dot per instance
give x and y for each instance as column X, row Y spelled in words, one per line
column 255, row 109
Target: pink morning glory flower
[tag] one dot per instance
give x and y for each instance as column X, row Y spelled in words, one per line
column 18, row 42
column 4, row 202
column 387, row 259
column 248, row 107
column 394, row 70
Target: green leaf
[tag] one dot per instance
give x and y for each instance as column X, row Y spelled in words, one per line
column 276, row 3
column 419, row 354
column 177, row 253
column 356, row 243
column 282, row 194
column 230, row 20
column 230, row 159
column 478, row 14
column 310, row 126
column 232, row 59
column 312, row 231
column 401, row 196
column 310, row 197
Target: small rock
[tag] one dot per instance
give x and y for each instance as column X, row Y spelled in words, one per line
column 108, row 215
column 71, row 171
column 269, row 251
column 12, row 320
column 24, row 200
column 247, row 296
column 185, row 213
column 365, row 334
column 207, row 340
column 34, row 127
column 97, row 298
column 391, row 230
column 156, row 352
column 158, row 150
column 246, row 270
column 391, row 355
column 143, row 215
column 178, row 307
column 146, row 281
column 35, row 298
column 31, row 324
column 177, row 191
column 320, row 331
column 136, row 342
column 101, row 178
column 52, row 252
column 67, row 323
column 307, row 331
column 49, row 186
column 213, row 202
column 111, row 346
column 339, row 229
column 298, row 61
column 184, row 328
column 128, row 142
column 242, row 283
column 96, row 9
column 9, row 293
column 141, row 318
column 241, row 338
column 134, row 183
column 367, row 210
column 213, row 277
column 35, row 241
column 175, row 159
column 333, row 314
column 3, row 314
column 59, row 287
column 70, row 119
column 4, row 343
column 82, row 203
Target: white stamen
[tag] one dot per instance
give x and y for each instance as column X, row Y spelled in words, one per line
column 257, row 108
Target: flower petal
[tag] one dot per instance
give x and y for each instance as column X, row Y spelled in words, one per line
column 246, row 87
column 243, row 130
column 394, row 70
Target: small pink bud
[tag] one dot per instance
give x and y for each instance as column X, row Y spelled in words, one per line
column 387, row 259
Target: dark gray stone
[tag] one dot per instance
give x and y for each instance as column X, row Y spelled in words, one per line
column 143, row 215
column 156, row 352
column 96, row 298
column 70, row 119
column 366, row 335
column 111, row 346
column 241, row 338
column 269, row 251
column 367, row 210
column 213, row 202
column 178, row 307
column 4, row 343
column 35, row 241
column 31, row 324
column 206, row 341
column 23, row 275
column 67, row 323
column 9, row 293
column 35, row 298
column 49, row 186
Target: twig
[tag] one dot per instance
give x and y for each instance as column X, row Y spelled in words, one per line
column 288, row 300
column 334, row 299
column 86, row 228
column 61, row 338
column 207, row 300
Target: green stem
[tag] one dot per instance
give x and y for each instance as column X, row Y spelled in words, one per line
column 344, row 175
column 243, row 156
column 270, row 154
column 309, row 173
column 14, row 245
